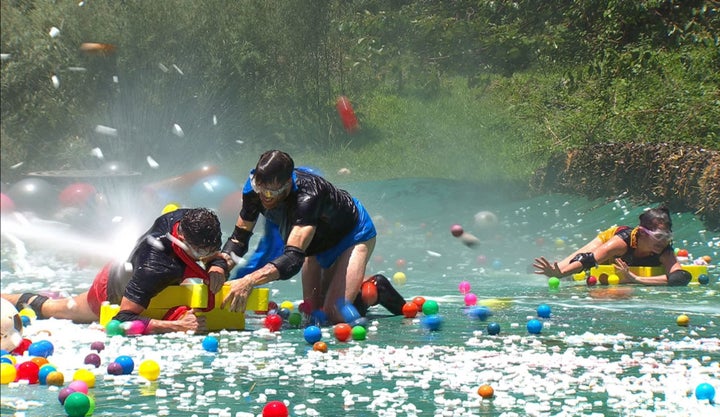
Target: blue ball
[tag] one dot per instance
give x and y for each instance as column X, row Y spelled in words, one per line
column 493, row 328
column 348, row 311
column 3, row 352
column 705, row 391
column 25, row 320
column 432, row 322
column 497, row 264
column 480, row 313
column 534, row 326
column 43, row 373
column 284, row 313
column 5, row 359
column 43, row 348
column 210, row 343
column 126, row 363
column 312, row 334
column 543, row 311
column 703, row 279
column 319, row 318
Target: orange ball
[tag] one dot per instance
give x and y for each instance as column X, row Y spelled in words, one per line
column 486, row 391
column 419, row 301
column 369, row 293
column 55, row 378
column 410, row 310
column 320, row 346
column 342, row 331
column 39, row 361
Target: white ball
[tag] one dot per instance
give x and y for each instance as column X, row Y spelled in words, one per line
column 10, row 326
column 485, row 219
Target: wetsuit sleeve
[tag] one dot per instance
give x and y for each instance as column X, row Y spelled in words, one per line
column 153, row 271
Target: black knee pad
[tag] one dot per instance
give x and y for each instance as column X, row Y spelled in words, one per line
column 388, row 296
column 679, row 278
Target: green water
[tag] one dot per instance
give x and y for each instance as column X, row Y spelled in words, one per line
column 611, row 357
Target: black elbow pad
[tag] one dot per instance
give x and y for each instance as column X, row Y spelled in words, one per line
column 586, row 259
column 238, row 242
column 290, row 262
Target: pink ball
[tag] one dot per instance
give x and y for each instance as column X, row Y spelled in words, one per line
column 6, row 204
column 464, row 287
column 79, row 386
column 470, row 299
column 591, row 281
column 456, row 230
column 136, row 327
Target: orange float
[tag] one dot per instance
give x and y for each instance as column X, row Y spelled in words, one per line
column 93, row 48
column 347, row 114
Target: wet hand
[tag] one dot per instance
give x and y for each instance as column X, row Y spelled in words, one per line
column 237, row 297
column 189, row 322
column 217, row 279
column 544, row 267
column 623, row 271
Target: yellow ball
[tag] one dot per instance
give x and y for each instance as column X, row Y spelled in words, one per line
column 613, row 279
column 170, row 207
column 149, row 369
column 683, row 320
column 28, row 312
column 7, row 373
column 55, row 378
column 399, row 278
column 287, row 304
column 86, row 376
column 559, row 243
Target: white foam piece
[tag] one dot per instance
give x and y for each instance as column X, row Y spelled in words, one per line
column 106, row 130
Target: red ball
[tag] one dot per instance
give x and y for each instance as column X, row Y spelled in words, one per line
column 6, row 204
column 275, row 409
column 22, row 347
column 401, row 264
column 410, row 310
column 273, row 322
column 28, row 371
column 591, row 281
column 342, row 331
column 456, row 230
column 419, row 302
column 78, row 194
column 369, row 293
column 683, row 253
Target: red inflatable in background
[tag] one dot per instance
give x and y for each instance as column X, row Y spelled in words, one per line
column 347, row 114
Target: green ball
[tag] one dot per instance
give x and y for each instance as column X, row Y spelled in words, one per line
column 114, row 328
column 77, row 404
column 554, row 283
column 92, row 407
column 430, row 307
column 295, row 319
column 359, row 333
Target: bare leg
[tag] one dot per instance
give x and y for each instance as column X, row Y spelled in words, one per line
column 74, row 308
column 348, row 277
column 312, row 283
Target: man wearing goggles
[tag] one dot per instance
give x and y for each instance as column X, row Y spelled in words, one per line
column 648, row 244
column 165, row 255
column 327, row 234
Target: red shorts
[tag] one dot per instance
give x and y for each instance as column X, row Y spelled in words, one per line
column 98, row 290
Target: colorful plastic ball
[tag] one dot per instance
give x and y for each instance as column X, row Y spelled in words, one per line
column 127, row 364
column 497, row 264
column 534, row 326
column 26, row 321
column 8, row 373
column 320, row 346
column 92, row 406
column 273, row 322
column 470, row 299
column 683, row 320
column 419, row 302
column 92, row 359
column 134, row 328
column 7, row 359
column 319, row 318
column 399, row 278
column 348, row 312
column 305, row 307
column 705, row 391
column 342, row 331
column 39, row 361
column 86, row 376
column 210, row 343
column 22, row 347
column 287, row 305
column 114, row 368
column 613, row 279
column 275, row 409
column 284, row 313
column 554, row 283
column 55, row 378
column 28, row 371
column 682, row 253
column 464, row 287
column 485, row 391
column 114, row 328
column 480, row 313
column 79, row 194
column 409, row 310
column 169, row 208
column 7, row 205
column 97, row 346
column 369, row 293
column 456, row 230
column 33, row 194
column 78, row 385
column 27, row 312
column 63, row 394
column 430, row 307
column 43, row 373
column 77, row 404
column 432, row 322
column 149, row 369
column 272, row 306
column 295, row 319
column 312, row 334
column 544, row 311
column 401, row 264
column 359, row 333
column 591, row 281
column 493, row 328
column 703, row 279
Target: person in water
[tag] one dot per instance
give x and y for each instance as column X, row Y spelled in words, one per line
column 164, row 255
column 648, row 244
column 326, row 233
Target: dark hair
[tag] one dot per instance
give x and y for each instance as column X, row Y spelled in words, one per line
column 201, row 228
column 274, row 166
column 656, row 218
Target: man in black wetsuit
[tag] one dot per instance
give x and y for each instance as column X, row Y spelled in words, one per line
column 164, row 255
column 328, row 235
